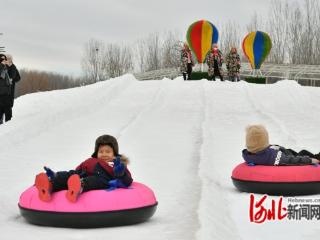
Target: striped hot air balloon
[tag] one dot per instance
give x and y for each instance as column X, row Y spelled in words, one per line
column 200, row 37
column 256, row 46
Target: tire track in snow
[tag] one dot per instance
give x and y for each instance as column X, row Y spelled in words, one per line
column 143, row 111
column 304, row 108
column 192, row 223
column 273, row 122
column 213, row 212
column 52, row 119
column 297, row 109
column 161, row 118
column 198, row 154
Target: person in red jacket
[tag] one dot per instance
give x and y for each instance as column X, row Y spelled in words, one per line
column 106, row 169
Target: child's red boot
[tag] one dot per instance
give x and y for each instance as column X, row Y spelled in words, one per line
column 44, row 187
column 74, row 188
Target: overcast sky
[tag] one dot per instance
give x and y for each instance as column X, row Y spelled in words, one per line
column 50, row 35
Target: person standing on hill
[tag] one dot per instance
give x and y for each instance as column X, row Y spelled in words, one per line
column 186, row 62
column 5, row 90
column 14, row 75
column 233, row 65
column 9, row 76
column 214, row 61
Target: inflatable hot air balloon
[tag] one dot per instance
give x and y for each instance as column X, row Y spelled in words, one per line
column 256, row 46
column 200, row 37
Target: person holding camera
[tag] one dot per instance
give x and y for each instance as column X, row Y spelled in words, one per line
column 14, row 76
column 5, row 90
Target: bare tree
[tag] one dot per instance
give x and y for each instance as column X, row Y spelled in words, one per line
column 118, row 60
column 230, row 37
column 153, row 52
column 93, row 61
column 255, row 23
column 112, row 58
column 171, row 50
column 309, row 31
column 126, row 59
column 317, row 35
column 278, row 29
column 294, row 30
column 295, row 34
column 38, row 81
column 102, row 61
column 140, row 56
column 304, row 36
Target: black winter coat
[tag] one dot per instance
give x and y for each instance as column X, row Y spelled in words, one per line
column 5, row 87
column 15, row 76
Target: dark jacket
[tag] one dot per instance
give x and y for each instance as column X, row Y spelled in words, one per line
column 98, row 167
column 5, row 87
column 15, row 76
column 275, row 155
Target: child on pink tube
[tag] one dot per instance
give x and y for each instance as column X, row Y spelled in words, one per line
column 106, row 169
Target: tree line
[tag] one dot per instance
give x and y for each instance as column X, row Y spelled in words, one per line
column 294, row 28
column 39, row 81
column 156, row 51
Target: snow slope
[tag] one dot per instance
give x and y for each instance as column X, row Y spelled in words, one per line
column 183, row 139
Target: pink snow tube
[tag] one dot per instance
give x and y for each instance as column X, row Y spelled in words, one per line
column 96, row 208
column 277, row 180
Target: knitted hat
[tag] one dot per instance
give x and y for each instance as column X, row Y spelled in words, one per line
column 106, row 140
column 257, row 138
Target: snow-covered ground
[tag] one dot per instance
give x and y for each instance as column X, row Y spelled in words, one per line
column 183, row 139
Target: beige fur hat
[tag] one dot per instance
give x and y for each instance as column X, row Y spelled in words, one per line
column 257, row 138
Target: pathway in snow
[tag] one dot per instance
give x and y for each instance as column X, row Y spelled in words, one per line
column 165, row 143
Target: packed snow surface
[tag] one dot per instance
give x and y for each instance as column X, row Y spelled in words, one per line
column 183, row 139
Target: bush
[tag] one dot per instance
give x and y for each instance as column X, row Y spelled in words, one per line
column 199, row 75
column 258, row 80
